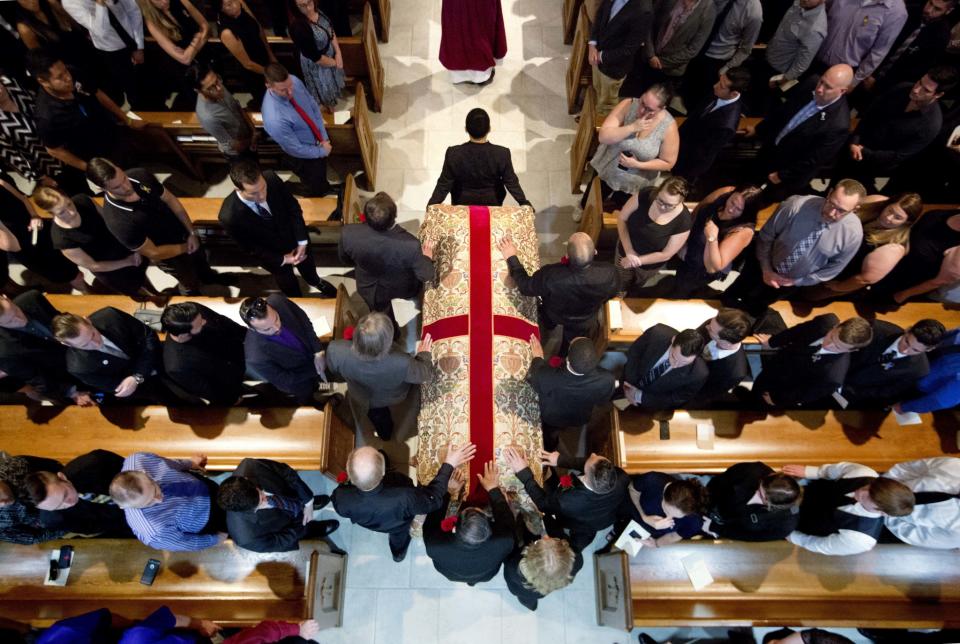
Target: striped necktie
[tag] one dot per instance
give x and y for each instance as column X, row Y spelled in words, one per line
column 285, row 504
column 801, row 249
column 655, row 373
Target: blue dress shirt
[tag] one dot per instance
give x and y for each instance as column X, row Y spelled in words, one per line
column 284, row 125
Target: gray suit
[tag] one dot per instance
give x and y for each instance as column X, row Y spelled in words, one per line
column 382, row 382
column 687, row 39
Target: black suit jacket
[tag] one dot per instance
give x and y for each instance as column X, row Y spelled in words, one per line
column 392, row 505
column 477, row 174
column 30, row 359
column 724, row 374
column 870, row 382
column 103, row 371
column 460, row 561
column 211, row 365
column 568, row 295
column 731, row 516
column 390, row 264
column 91, row 473
column 567, row 400
column 794, row 376
column 517, row 584
column 269, row 530
column 618, row 39
column 674, row 388
column 267, row 239
column 702, row 136
column 810, row 145
column 924, row 52
column 291, row 371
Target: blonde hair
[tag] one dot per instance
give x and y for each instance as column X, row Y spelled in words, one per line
column 46, row 197
column 547, row 565
column 160, row 19
column 877, row 235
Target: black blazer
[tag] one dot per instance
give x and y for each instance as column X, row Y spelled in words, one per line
column 703, row 135
column 460, row 561
column 291, row 371
column 269, row 530
column 870, row 382
column 267, row 239
column 211, row 365
column 477, row 174
column 30, row 359
column 674, row 388
column 103, row 371
column 390, row 264
column 795, row 376
column 924, row 52
column 517, row 583
column 724, row 374
column 619, row 39
column 730, row 515
column 810, row 145
column 578, row 509
column 393, row 504
column 567, row 400
column 568, row 295
column 91, row 473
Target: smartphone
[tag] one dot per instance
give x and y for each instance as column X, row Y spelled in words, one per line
column 66, row 557
column 626, row 153
column 150, row 572
column 54, row 570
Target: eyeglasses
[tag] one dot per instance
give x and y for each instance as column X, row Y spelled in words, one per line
column 215, row 86
column 666, row 206
column 834, row 207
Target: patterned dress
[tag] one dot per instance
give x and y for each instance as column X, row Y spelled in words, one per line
column 647, row 148
column 20, row 146
column 315, row 39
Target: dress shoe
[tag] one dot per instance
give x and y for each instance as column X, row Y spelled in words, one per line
column 320, row 501
column 400, row 556
column 326, row 289
column 320, row 529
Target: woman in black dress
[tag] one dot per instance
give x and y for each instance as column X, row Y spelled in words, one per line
column 724, row 223
column 668, row 507
column 933, row 260
column 181, row 32
column 81, row 235
column 244, row 38
column 44, row 24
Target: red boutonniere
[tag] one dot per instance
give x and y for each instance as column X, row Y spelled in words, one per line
column 556, row 362
column 564, row 260
column 449, row 524
column 362, row 218
column 342, row 478
column 566, row 482
column 348, row 333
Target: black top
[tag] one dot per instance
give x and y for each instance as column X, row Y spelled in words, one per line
column 211, row 365
column 270, row 529
column 651, row 487
column 874, row 378
column 67, row 44
column 621, row 36
column 133, row 223
column 81, row 124
column 890, row 135
column 697, row 241
column 188, row 26
column 91, row 474
column 14, row 215
column 246, row 29
column 304, row 37
column 477, row 174
column 930, row 238
column 393, row 504
column 647, row 236
column 91, row 236
column 567, row 400
column 672, row 389
column 517, row 584
column 268, row 238
column 734, row 518
column 569, row 295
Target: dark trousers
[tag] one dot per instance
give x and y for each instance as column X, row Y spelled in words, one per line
column 399, row 540
column 287, row 281
column 118, row 77
column 749, row 292
column 126, row 281
column 312, row 174
column 191, row 271
column 382, row 421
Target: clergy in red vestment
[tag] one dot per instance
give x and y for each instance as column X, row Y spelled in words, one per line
column 473, row 39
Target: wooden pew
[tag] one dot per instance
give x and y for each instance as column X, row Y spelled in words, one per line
column 778, row 584
column 808, row 437
column 352, row 139
column 571, row 10
column 381, row 15
column 578, row 71
column 225, row 584
column 638, row 314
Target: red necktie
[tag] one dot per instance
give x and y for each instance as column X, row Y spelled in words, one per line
column 309, row 121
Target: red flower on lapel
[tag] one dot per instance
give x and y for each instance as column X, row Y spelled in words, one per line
column 564, row 260
column 566, row 482
column 362, row 218
column 556, row 362
column 342, row 478
column 348, row 333
column 449, row 524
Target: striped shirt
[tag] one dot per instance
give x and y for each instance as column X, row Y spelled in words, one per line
column 174, row 523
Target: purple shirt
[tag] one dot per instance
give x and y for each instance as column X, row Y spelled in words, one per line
column 861, row 32
column 288, row 339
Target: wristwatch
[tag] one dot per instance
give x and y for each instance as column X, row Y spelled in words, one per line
column 711, row 239
column 139, row 378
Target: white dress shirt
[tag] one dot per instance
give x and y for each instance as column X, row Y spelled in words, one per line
column 932, row 525
column 95, row 18
column 252, row 205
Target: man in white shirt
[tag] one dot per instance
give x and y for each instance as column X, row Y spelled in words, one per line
column 935, row 520
column 844, row 506
column 116, row 30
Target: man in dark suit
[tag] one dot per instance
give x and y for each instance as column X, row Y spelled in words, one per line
column 30, row 354
column 203, row 359
column 886, row 370
column 269, row 507
column 473, row 551
column 114, row 353
column 811, row 360
column 265, row 219
column 619, row 31
column 569, row 392
column 582, row 505
column 385, row 501
column 571, row 292
column 708, row 128
column 803, row 134
column 74, row 500
column 752, row 502
column 284, row 350
column 390, row 261
column 664, row 369
column 723, row 352
column 477, row 173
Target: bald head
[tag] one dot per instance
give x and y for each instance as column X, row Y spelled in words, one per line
column 365, row 467
column 580, row 249
column 834, row 83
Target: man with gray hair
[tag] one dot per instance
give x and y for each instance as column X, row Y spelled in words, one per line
column 385, row 501
column 572, row 291
column 378, row 374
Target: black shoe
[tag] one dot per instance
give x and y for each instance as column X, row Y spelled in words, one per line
column 400, row 556
column 326, row 289
column 320, row 501
column 320, row 529
column 332, row 189
column 223, row 279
